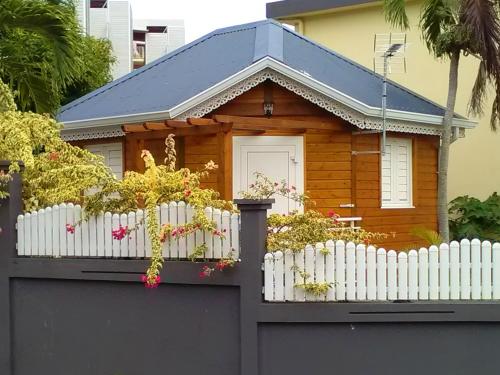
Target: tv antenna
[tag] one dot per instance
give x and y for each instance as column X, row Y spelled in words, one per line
column 389, row 57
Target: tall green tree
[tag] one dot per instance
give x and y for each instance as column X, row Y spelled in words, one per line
column 38, row 48
column 451, row 29
column 44, row 56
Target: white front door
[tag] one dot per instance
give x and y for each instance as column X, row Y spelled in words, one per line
column 276, row 157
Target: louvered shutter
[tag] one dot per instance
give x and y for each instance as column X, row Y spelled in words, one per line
column 396, row 174
column 113, row 156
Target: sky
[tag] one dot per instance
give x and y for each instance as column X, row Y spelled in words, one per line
column 202, row 16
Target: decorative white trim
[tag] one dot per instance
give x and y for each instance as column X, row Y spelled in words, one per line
column 341, row 110
column 92, row 133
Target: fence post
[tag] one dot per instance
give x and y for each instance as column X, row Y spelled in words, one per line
column 10, row 208
column 253, row 235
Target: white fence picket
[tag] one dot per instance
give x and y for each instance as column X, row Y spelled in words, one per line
column 350, row 265
column 381, row 275
column 132, row 237
column 475, row 254
column 70, row 237
column 371, row 273
column 217, row 240
column 289, row 276
column 173, row 219
column 392, row 275
column 454, row 270
column 330, row 270
column 413, row 275
column 226, row 233
column 444, row 272
column 361, row 272
column 78, row 230
column 402, row 276
column 433, row 273
column 21, row 251
column 209, row 236
column 115, row 219
column 34, row 233
column 465, row 286
column 423, row 274
column 48, row 231
column 496, row 270
column 269, row 277
column 27, row 232
column 235, row 235
column 164, row 221
column 108, row 235
column 319, row 267
column 190, row 237
column 92, row 221
column 56, row 249
column 181, row 220
column 141, row 244
column 41, row 232
column 99, row 235
column 300, row 294
column 63, row 244
column 124, row 241
column 486, row 270
column 85, row 238
column 340, row 270
column 309, row 270
column 279, row 285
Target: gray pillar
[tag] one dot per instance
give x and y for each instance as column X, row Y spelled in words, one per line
column 253, row 235
column 10, row 208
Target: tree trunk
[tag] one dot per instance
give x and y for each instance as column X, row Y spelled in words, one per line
column 444, row 150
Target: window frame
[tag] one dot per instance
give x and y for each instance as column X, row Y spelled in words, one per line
column 409, row 202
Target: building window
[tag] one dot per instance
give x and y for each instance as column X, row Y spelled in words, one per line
column 139, row 54
column 397, row 173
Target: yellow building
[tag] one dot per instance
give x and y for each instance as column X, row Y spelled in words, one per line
column 349, row 26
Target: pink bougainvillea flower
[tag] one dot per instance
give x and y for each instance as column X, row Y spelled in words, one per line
column 206, row 271
column 187, row 193
column 150, row 284
column 331, row 213
column 70, row 228
column 144, row 278
column 120, row 233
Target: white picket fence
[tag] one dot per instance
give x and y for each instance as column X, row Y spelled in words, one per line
column 469, row 270
column 43, row 233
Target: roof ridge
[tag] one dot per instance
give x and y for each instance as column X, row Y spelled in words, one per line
column 168, row 56
column 363, row 68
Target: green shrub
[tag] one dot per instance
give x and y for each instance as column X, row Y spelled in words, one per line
column 471, row 218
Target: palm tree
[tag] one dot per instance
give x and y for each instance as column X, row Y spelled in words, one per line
column 38, row 45
column 451, row 28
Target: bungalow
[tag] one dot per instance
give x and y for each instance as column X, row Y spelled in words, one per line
column 259, row 97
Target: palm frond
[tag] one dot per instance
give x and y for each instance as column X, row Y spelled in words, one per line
column 481, row 23
column 437, row 17
column 478, row 94
column 431, row 237
column 395, row 13
column 495, row 109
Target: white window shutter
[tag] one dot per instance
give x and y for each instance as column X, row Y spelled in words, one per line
column 113, row 156
column 396, row 174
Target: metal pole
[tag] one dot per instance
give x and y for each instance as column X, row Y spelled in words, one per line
column 384, row 103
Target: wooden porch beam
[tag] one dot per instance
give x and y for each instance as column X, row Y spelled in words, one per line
column 201, row 121
column 260, row 123
column 181, row 132
column 177, row 124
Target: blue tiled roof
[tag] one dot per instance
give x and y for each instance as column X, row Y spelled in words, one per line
column 194, row 68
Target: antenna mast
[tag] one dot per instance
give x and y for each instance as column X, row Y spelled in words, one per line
column 388, row 48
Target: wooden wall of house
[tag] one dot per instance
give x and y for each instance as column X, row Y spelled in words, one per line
column 397, row 223
column 333, row 175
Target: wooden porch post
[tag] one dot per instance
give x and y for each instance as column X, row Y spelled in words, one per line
column 225, row 160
